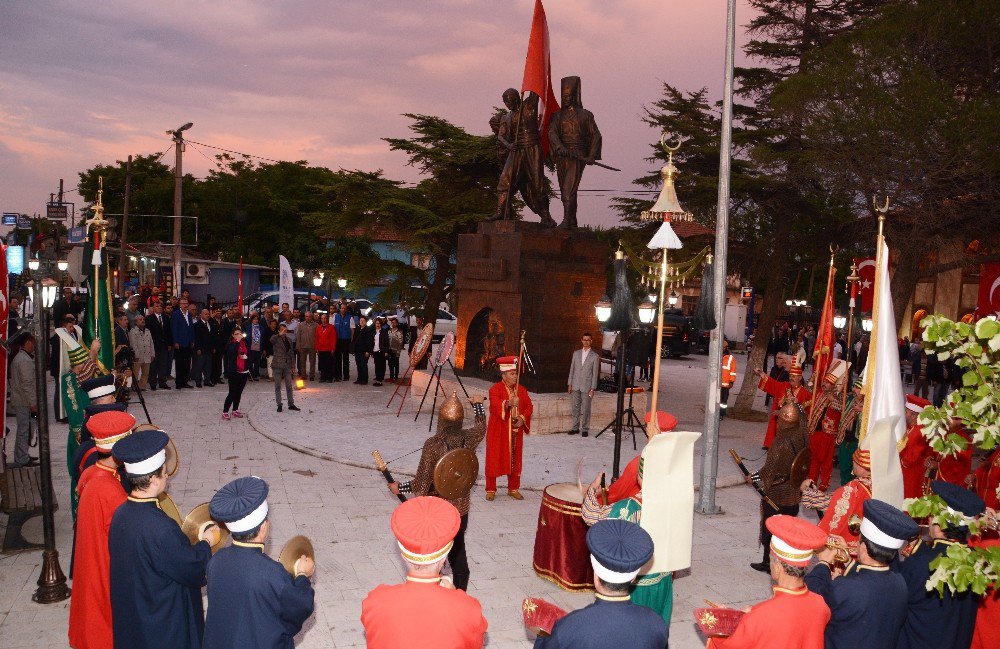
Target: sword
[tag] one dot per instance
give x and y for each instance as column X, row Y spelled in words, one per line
column 384, row 468
column 739, row 462
column 601, row 164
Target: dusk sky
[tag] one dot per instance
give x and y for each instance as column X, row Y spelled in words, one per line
column 83, row 83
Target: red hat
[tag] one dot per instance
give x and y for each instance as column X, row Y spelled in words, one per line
column 109, row 427
column 664, row 420
column 507, row 363
column 915, row 403
column 863, row 458
column 540, row 616
column 794, row 539
column 795, row 370
column 425, row 528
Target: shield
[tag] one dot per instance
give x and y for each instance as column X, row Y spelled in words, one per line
column 800, row 466
column 455, row 473
column 193, row 522
column 169, row 507
column 295, row 548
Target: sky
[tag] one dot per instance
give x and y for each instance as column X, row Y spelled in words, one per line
column 83, row 83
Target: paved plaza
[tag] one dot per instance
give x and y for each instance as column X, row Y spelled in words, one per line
column 322, row 484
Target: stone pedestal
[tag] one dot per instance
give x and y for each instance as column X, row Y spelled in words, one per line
column 513, row 276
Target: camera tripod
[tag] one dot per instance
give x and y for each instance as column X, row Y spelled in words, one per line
column 627, row 417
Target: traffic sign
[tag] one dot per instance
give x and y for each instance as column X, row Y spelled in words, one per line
column 23, row 222
column 9, row 218
column 56, row 211
column 77, row 235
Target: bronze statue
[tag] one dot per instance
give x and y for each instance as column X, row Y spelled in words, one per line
column 523, row 171
column 574, row 143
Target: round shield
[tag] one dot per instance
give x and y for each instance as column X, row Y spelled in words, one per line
column 295, row 548
column 800, row 467
column 455, row 473
column 423, row 342
column 169, row 507
column 193, row 522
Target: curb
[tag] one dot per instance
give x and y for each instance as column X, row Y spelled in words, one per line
column 322, row 455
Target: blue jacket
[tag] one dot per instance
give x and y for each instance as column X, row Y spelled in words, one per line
column 932, row 620
column 156, row 579
column 342, row 325
column 252, row 601
column 608, row 623
column 867, row 605
column 182, row 330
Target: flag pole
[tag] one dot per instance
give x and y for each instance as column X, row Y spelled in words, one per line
column 873, row 341
column 852, row 279
column 821, row 360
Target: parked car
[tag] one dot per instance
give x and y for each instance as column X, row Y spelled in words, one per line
column 677, row 333
column 260, row 301
column 446, row 321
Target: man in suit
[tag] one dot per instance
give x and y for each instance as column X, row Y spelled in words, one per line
column 159, row 329
column 204, row 345
column 362, row 346
column 182, row 332
column 583, row 374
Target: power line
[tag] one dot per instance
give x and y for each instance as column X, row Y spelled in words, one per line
column 249, row 155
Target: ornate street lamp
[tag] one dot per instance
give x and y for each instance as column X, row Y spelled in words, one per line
column 647, row 311
column 839, row 321
column 300, row 273
column 603, row 309
column 672, row 300
column 317, row 281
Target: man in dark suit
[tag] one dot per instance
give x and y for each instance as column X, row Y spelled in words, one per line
column 220, row 338
column 204, row 345
column 159, row 329
column 182, row 333
column 123, row 351
column 380, row 347
column 362, row 345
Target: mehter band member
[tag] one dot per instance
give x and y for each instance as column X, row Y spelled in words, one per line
column 779, row 390
column 510, row 421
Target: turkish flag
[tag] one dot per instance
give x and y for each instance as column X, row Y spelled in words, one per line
column 989, row 291
column 538, row 73
column 866, row 271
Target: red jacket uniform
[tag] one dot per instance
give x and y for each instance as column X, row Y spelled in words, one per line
column 797, row 617
column 778, row 389
column 988, row 479
column 498, row 445
column 847, row 501
column 326, row 338
column 956, row 468
column 101, row 493
column 422, row 614
column 912, row 459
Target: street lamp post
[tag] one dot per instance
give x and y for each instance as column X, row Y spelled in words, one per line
column 51, row 582
column 178, row 138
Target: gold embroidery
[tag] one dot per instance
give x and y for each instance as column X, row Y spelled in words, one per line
column 707, row 620
column 842, row 507
column 529, row 606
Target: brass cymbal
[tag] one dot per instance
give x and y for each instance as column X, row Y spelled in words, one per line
column 198, row 517
column 173, row 461
column 295, row 548
column 169, row 507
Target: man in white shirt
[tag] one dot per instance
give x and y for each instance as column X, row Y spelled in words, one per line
column 583, row 374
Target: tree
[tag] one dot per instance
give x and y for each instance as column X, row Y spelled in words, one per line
column 457, row 192
column 152, row 195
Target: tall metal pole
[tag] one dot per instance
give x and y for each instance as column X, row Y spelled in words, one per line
column 178, row 137
column 51, row 581
column 124, row 239
column 710, row 451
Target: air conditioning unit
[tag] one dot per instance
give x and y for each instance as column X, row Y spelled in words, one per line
column 196, row 273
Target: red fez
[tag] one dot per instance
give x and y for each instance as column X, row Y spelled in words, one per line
column 915, row 403
column 863, row 458
column 425, row 528
column 539, row 615
column 507, row 363
column 665, row 420
column 795, row 369
column 110, row 426
column 794, row 539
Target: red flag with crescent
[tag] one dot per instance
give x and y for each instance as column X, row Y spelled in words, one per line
column 823, row 351
column 989, row 291
column 538, row 73
column 866, row 271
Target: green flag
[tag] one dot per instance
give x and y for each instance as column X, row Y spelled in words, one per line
column 99, row 323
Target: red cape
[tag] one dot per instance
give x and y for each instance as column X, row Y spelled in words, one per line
column 498, row 460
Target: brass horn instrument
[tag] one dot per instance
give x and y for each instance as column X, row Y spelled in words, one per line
column 843, row 555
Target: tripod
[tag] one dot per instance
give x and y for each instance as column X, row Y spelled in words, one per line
column 627, row 417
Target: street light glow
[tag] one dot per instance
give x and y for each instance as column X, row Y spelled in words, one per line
column 603, row 309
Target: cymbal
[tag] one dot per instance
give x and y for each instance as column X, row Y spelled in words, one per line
column 173, row 461
column 169, row 507
column 198, row 517
column 295, row 548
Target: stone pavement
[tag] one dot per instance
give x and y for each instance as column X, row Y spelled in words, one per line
column 344, row 507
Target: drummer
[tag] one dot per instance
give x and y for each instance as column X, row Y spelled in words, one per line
column 654, row 590
column 450, row 435
column 618, row 549
column 252, row 601
column 156, row 574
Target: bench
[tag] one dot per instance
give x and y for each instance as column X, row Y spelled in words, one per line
column 21, row 494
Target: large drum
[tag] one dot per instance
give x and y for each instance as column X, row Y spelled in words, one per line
column 561, row 553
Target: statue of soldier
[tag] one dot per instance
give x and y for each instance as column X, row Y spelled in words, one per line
column 523, row 170
column 574, row 143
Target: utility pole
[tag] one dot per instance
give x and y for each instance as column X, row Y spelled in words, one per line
column 124, row 238
column 710, row 452
column 178, row 137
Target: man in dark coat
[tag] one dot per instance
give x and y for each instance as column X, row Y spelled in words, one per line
column 252, row 600
column 868, row 602
column 362, row 345
column 156, row 574
column 159, row 329
column 204, row 348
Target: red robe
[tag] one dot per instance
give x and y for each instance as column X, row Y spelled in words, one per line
column 422, row 615
column 627, row 484
column 798, row 617
column 101, row 493
column 498, row 444
column 912, row 458
column 956, row 468
column 845, row 502
column 987, row 632
column 821, row 447
column 988, row 480
column 777, row 390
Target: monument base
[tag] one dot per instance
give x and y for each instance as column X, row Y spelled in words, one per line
column 553, row 412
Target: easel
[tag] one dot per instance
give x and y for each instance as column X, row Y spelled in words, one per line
column 438, row 370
